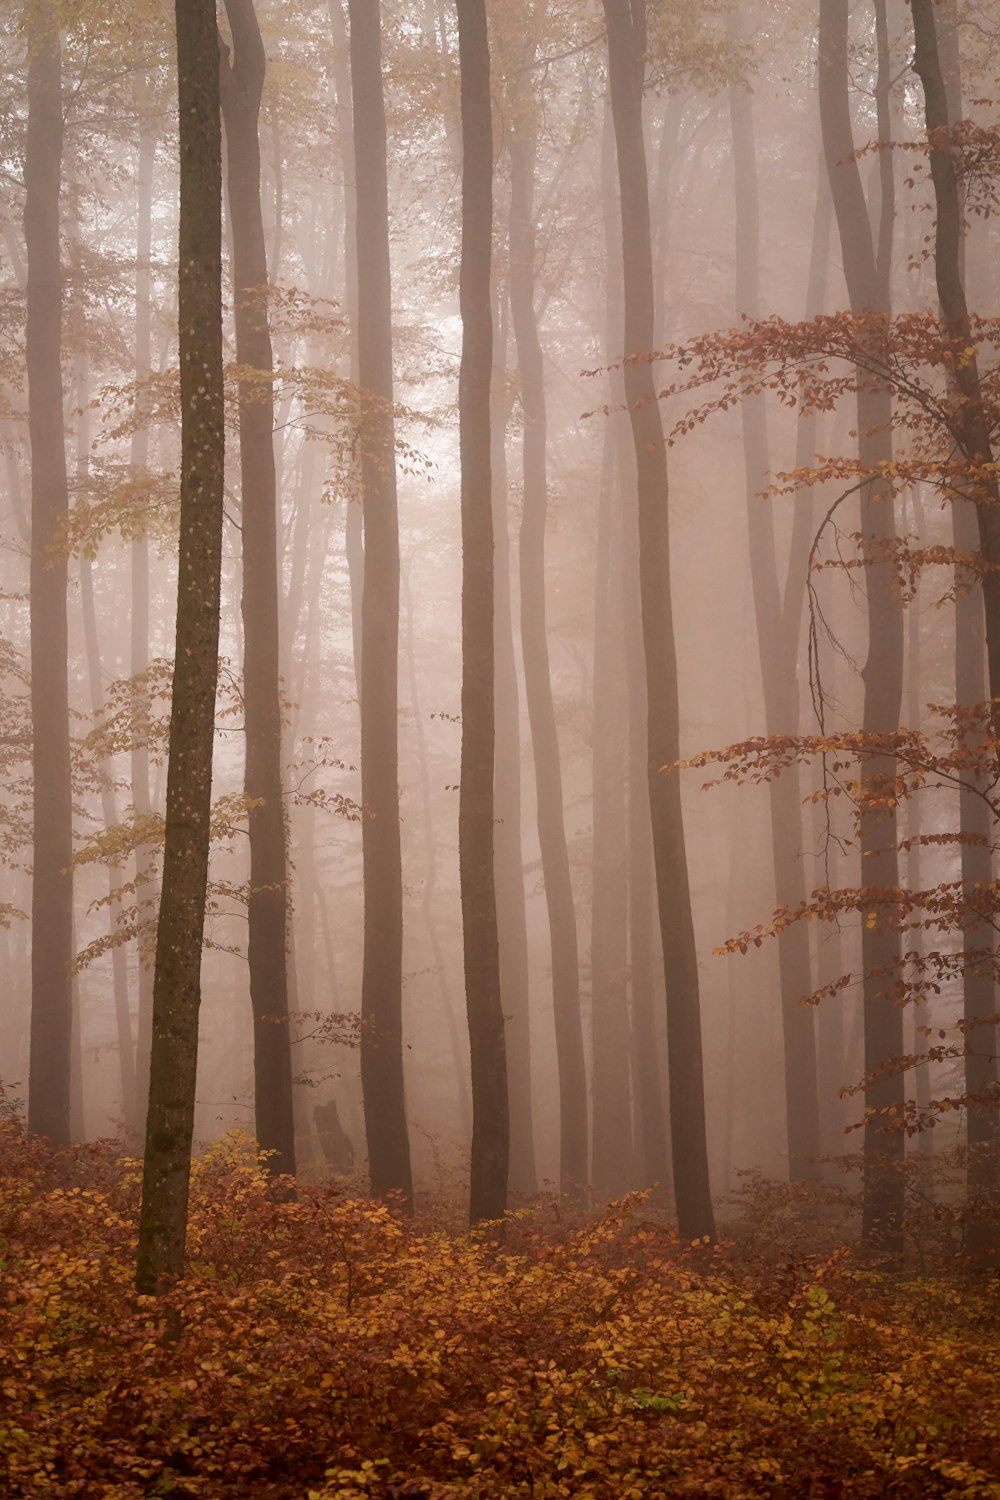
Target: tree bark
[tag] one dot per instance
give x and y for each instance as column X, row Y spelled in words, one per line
column 382, row 974
column 626, row 25
column 866, row 269
column 52, row 882
column 972, row 431
column 177, row 975
column 538, row 682
column 490, row 1115
column 241, row 86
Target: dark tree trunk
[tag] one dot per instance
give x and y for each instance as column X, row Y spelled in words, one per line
column 490, row 1120
column 242, row 83
column 538, row 684
column 177, row 976
column 382, row 975
column 626, row 53
column 866, row 270
column 508, row 852
column 777, row 638
column 52, row 884
column 972, row 431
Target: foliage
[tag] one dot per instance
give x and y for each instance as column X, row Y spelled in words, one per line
column 320, row 1347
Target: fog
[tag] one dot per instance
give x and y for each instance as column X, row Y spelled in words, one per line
column 823, row 583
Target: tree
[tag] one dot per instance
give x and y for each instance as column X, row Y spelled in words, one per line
column 382, row 975
column 867, row 263
column 241, row 86
column 626, row 25
column 177, row 974
column 490, row 1117
column 52, row 883
column 535, row 649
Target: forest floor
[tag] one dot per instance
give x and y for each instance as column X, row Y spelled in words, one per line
column 322, row 1348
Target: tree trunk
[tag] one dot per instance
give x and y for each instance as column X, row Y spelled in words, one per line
column 972, row 430
column 490, row 1118
column 52, row 882
column 538, row 683
column 866, row 270
column 145, row 889
column 242, row 83
column 382, row 974
column 508, row 851
column 778, row 639
column 177, row 975
column 626, row 53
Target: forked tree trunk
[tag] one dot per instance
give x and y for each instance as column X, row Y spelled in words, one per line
column 242, row 83
column 538, row 684
column 382, row 973
column 52, row 884
column 866, row 269
column 626, row 54
column 177, row 976
column 490, row 1120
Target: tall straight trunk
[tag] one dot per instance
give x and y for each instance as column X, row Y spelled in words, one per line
column 867, row 263
column 538, row 682
column 382, row 973
column 972, row 430
column 508, row 851
column 626, row 25
column 52, row 884
column 145, row 891
column 109, row 801
column 354, row 540
column 778, row 639
column 917, row 1044
column 242, row 83
column 611, row 1133
column 490, row 1113
column 177, row 975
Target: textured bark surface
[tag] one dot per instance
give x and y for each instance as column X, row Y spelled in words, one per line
column 626, row 53
column 52, row 884
column 242, row 82
column 490, row 1117
column 382, row 973
column 177, row 977
column 538, row 683
column 866, row 270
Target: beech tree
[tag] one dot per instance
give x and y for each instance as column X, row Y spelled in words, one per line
column 52, row 818
column 490, row 1118
column 626, row 62
column 382, row 977
column 177, row 975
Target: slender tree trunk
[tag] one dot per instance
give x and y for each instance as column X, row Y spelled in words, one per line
column 109, row 802
column 508, row 852
column 382, row 975
column 538, row 683
column 866, row 269
column 778, row 640
column 242, row 82
column 145, row 889
column 52, row 883
column 971, row 428
column 177, row 977
column 611, row 1137
column 490, row 1115
column 626, row 53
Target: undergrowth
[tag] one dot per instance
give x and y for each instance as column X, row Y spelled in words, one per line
column 322, row 1348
